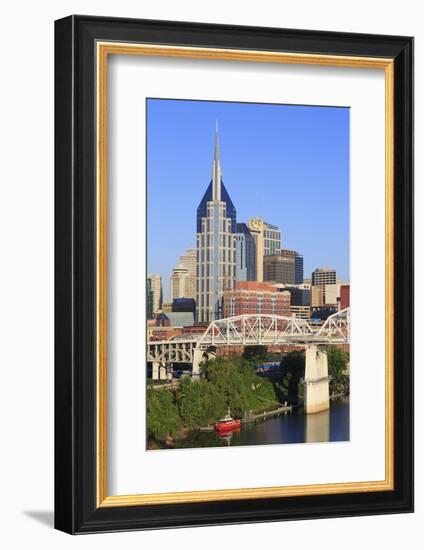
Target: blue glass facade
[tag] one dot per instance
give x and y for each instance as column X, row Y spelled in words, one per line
column 298, row 269
column 225, row 197
column 245, row 254
column 300, row 296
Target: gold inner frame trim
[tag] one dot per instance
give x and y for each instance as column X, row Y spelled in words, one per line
column 104, row 49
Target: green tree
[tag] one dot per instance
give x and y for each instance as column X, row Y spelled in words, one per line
column 198, row 402
column 293, row 369
column 228, row 383
column 337, row 366
column 242, row 389
column 255, row 355
column 163, row 419
column 337, row 361
column 294, row 361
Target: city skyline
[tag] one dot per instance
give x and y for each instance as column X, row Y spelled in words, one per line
column 301, row 154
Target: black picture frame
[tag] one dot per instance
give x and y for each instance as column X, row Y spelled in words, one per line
column 76, row 510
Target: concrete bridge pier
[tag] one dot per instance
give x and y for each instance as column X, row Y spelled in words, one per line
column 317, row 395
column 155, row 371
column 199, row 356
column 159, row 371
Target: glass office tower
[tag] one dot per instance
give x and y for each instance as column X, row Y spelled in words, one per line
column 245, row 254
column 298, row 269
column 216, row 245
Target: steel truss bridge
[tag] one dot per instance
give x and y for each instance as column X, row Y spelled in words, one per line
column 269, row 330
column 250, row 330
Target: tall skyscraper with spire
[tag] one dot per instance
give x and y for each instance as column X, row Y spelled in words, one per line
column 216, row 244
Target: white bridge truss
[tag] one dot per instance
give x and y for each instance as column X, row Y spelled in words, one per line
column 253, row 330
column 268, row 330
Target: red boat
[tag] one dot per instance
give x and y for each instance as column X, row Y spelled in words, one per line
column 227, row 424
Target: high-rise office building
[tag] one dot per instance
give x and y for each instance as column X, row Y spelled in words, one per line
column 285, row 267
column 183, row 277
column 279, row 269
column 245, row 254
column 298, row 269
column 299, row 296
column 317, row 296
column 156, row 285
column 216, row 245
column 267, row 239
column 182, row 284
column 331, row 294
column 272, row 239
column 324, row 276
column 188, row 260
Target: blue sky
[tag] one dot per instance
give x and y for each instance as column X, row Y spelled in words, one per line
column 288, row 164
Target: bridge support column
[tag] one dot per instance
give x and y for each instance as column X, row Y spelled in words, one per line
column 155, row 371
column 162, row 371
column 159, row 371
column 197, row 359
column 200, row 355
column 317, row 397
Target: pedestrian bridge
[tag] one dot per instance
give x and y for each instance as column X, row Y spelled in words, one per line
column 253, row 330
column 268, row 330
column 260, row 330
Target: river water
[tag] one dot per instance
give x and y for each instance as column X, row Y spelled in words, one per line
column 294, row 427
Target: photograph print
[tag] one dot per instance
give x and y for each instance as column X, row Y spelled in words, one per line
column 248, row 287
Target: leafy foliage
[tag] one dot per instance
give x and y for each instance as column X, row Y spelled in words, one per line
column 163, row 419
column 198, row 402
column 255, row 355
column 228, row 383
column 337, row 361
column 293, row 366
column 243, row 390
column 294, row 362
column 337, row 366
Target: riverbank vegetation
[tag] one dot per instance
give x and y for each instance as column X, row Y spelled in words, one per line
column 232, row 383
column 338, row 364
column 229, row 383
column 163, row 420
column 292, row 371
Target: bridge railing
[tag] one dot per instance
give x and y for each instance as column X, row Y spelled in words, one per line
column 268, row 330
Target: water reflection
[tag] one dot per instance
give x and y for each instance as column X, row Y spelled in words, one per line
column 226, row 439
column 317, row 427
column 295, row 427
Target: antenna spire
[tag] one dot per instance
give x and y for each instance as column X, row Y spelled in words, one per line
column 216, row 172
column 216, row 153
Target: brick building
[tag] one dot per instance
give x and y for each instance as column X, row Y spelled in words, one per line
column 344, row 296
column 249, row 297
